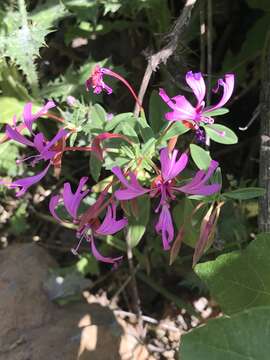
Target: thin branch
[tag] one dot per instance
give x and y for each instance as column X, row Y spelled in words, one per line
column 163, row 55
column 135, row 292
column 146, row 319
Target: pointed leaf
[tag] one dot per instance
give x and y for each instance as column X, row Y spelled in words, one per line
column 221, row 134
column 200, row 156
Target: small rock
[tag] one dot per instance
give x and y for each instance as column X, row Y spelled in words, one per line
column 160, row 333
column 169, row 354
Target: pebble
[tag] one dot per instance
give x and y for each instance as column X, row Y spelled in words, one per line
column 169, row 354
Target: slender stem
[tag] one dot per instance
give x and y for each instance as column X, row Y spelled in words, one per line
column 209, row 59
column 136, row 298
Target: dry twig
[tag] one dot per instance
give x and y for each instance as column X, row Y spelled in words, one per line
column 163, row 55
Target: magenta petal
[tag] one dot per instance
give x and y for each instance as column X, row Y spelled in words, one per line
column 197, row 84
column 25, row 183
column 54, row 201
column 72, row 201
column 165, row 227
column 133, row 188
column 197, row 186
column 182, row 109
column 102, row 258
column 228, row 86
column 110, row 225
column 170, row 168
column 15, row 135
column 29, row 118
column 39, row 142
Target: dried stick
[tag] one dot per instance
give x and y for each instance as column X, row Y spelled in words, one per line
column 162, row 55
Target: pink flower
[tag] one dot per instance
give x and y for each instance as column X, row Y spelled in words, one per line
column 182, row 108
column 46, row 151
column 96, row 82
column 88, row 229
column 164, row 188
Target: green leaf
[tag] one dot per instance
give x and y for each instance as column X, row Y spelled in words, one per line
column 218, row 112
column 98, row 116
column 245, row 193
column 157, row 110
column 177, row 129
column 95, row 167
column 137, row 224
column 144, row 129
column 9, row 107
column 244, row 336
column 182, row 216
column 221, row 134
column 200, row 156
column 49, row 13
column 117, row 120
column 240, row 279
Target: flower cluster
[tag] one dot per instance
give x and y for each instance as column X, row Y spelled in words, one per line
column 164, row 185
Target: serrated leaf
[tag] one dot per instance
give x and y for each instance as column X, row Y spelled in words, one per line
column 221, row 134
column 200, row 156
column 245, row 193
column 48, row 13
column 137, row 224
column 240, row 279
column 244, row 336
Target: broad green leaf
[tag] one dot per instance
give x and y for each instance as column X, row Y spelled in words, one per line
column 177, row 129
column 218, row 112
column 98, row 116
column 244, row 336
column 111, row 124
column 157, row 110
column 137, row 224
column 128, row 130
column 221, row 134
column 240, row 279
column 245, row 193
column 144, row 129
column 200, row 156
